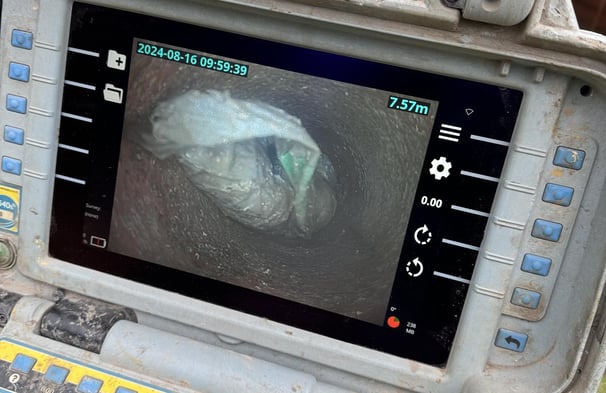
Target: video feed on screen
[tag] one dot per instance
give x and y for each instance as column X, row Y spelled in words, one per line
column 284, row 183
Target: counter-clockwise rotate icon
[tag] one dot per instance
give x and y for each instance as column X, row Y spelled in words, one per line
column 414, row 268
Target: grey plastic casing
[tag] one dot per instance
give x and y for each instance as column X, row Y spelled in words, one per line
column 199, row 346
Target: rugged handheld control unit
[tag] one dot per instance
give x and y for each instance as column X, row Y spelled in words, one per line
column 301, row 196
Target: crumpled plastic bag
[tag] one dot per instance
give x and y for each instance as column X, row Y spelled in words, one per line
column 257, row 162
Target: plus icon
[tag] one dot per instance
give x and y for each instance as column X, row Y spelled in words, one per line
column 116, row 60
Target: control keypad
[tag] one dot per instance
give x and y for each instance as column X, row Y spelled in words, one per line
column 16, row 102
column 565, row 175
column 24, row 368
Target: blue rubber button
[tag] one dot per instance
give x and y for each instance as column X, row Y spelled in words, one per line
column 124, row 390
column 56, row 374
column 547, row 230
column 11, row 165
column 569, row 158
column 558, row 194
column 22, row 39
column 89, row 385
column 536, row 265
column 526, row 298
column 23, row 363
column 18, row 71
column 16, row 103
column 13, row 135
column 511, row 340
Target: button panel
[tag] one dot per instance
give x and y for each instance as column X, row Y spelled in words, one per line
column 19, row 55
column 24, row 368
column 547, row 231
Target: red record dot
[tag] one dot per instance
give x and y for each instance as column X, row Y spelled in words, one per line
column 393, row 322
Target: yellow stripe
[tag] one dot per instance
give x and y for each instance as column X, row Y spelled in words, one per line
column 9, row 350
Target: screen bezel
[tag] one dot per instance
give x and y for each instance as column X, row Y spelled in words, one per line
column 230, row 296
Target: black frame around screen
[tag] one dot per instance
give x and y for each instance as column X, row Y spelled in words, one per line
column 437, row 305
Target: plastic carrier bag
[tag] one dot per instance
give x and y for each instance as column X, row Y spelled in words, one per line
column 256, row 161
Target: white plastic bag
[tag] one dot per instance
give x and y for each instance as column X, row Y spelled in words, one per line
column 256, row 161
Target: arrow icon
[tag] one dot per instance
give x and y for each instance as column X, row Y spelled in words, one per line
column 510, row 340
column 469, row 111
column 424, row 230
column 414, row 268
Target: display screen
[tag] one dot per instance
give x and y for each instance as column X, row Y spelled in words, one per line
column 339, row 195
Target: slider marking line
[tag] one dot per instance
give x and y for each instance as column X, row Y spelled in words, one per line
column 73, row 148
column 480, row 176
column 470, row 211
column 77, row 117
column 489, row 140
column 460, row 244
column 70, row 179
column 451, row 277
column 82, row 85
column 83, row 52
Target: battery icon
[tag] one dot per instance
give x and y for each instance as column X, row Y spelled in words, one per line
column 97, row 241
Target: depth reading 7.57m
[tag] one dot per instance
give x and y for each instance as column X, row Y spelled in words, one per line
column 193, row 59
column 408, row 105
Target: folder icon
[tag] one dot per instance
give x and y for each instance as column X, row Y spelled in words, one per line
column 112, row 93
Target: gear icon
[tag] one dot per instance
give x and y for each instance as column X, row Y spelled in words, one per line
column 440, row 168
